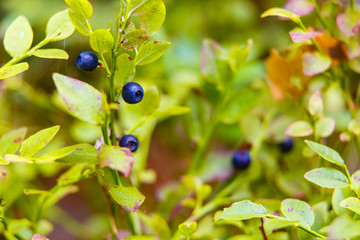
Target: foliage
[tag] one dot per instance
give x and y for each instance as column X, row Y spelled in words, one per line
column 64, row 175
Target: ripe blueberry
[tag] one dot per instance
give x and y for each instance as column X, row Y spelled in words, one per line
column 241, row 159
column 286, row 145
column 129, row 141
column 132, row 93
column 87, row 61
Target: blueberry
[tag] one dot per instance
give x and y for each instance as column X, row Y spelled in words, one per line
column 129, row 141
column 132, row 93
column 87, row 61
column 286, row 145
column 241, row 159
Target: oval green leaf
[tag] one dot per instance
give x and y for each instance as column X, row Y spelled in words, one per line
column 280, row 12
column 82, row 100
column 116, row 157
column 314, row 63
column 80, row 23
column 10, row 142
column 38, row 141
column 152, row 14
column 83, row 154
column 316, row 105
column 299, row 129
column 151, row 51
column 59, row 26
column 125, row 68
column 242, row 210
column 129, row 198
column 101, row 41
column 18, row 37
column 81, row 7
column 13, row 70
column 51, row 53
column 326, row 153
column 324, row 127
column 134, row 38
column 351, row 203
column 327, row 178
column 298, row 211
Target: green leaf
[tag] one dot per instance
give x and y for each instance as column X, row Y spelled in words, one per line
column 315, row 63
column 115, row 157
column 187, row 228
column 158, row 224
column 324, row 127
column 129, row 198
column 125, row 68
column 148, row 104
column 81, row 7
column 242, row 210
column 151, row 51
column 327, row 178
column 18, row 37
column 351, row 203
column 59, row 26
column 343, row 227
column 18, row 159
column 51, row 53
column 101, row 41
column 238, row 55
column 36, row 142
column 316, row 105
column 278, row 223
column 83, row 154
column 134, row 38
column 59, row 153
column 214, row 66
column 10, row 142
column 80, row 23
column 13, row 70
column 326, row 153
column 280, row 12
column 152, row 14
column 172, row 111
column 299, row 129
column 340, row 194
column 299, row 211
column 239, row 104
column 82, row 100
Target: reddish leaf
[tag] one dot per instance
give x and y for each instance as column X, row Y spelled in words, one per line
column 299, row 7
column 348, row 24
column 315, row 63
column 300, row 35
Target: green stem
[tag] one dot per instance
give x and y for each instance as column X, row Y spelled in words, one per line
column 352, row 6
column 351, row 183
column 319, row 16
column 315, row 234
column 27, row 54
column 197, row 161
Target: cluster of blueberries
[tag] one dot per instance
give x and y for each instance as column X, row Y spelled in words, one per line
column 131, row 93
column 241, row 158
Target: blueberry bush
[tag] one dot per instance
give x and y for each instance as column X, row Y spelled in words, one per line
column 246, row 126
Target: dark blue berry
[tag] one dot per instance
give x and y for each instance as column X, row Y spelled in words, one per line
column 241, row 159
column 87, row 61
column 132, row 93
column 286, row 145
column 129, row 141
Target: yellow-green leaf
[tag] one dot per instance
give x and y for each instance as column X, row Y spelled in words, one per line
column 51, row 53
column 18, row 37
